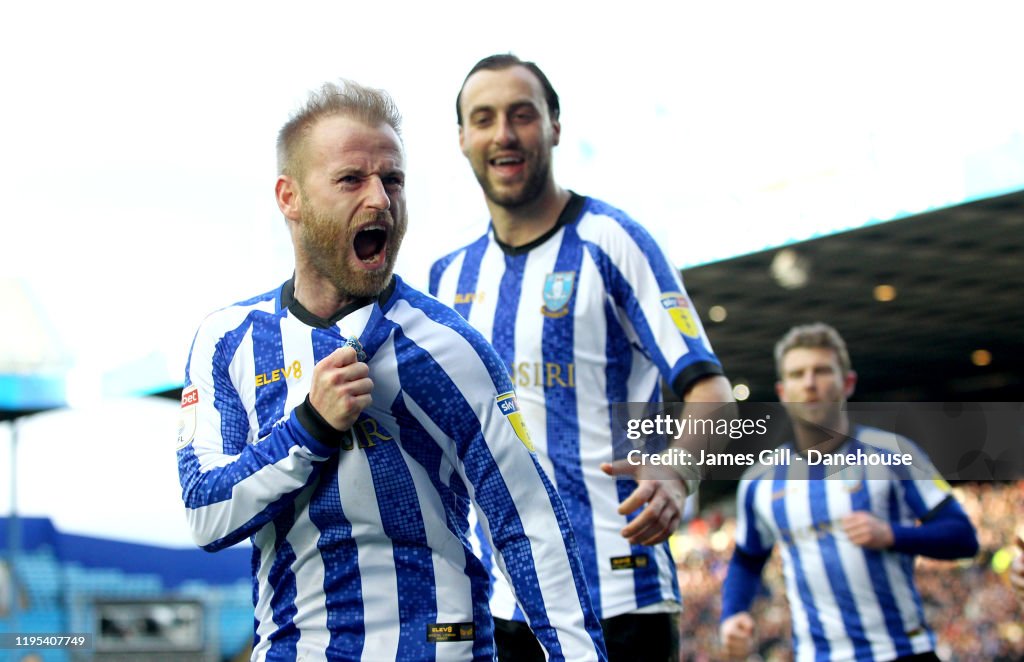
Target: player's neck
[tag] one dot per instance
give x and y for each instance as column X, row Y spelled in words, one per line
column 317, row 294
column 518, row 226
column 824, row 438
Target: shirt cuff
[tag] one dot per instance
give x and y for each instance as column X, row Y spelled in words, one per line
column 318, row 427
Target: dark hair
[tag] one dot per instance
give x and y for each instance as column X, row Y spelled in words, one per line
column 505, row 61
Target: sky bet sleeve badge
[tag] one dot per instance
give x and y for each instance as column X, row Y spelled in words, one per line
column 678, row 308
column 509, row 406
column 187, row 417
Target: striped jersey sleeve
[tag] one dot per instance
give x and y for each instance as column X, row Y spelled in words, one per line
column 921, row 487
column 753, row 537
column 649, row 291
column 230, row 485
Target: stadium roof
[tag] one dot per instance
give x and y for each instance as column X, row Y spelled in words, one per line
column 957, row 278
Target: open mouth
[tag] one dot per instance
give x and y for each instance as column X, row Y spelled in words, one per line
column 507, row 160
column 370, row 243
column 507, row 164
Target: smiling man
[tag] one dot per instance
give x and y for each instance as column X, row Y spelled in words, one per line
column 586, row 311
column 345, row 423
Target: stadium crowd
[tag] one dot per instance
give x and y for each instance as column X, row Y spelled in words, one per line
column 969, row 605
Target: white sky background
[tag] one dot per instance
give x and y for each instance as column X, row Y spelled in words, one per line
column 138, row 157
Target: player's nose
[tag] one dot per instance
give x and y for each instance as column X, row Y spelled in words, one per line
column 377, row 194
column 504, row 132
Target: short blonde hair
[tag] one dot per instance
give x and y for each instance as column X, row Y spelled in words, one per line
column 349, row 99
column 812, row 336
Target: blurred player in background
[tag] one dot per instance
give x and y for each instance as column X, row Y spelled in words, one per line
column 585, row 310
column 344, row 422
column 848, row 542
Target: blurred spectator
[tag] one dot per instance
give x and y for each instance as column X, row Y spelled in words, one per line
column 9, row 588
column 5, row 589
column 1017, row 570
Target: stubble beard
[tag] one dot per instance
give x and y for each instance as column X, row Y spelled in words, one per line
column 327, row 243
column 527, row 192
column 826, row 419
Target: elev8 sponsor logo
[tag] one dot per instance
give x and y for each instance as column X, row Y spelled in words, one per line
column 293, row 371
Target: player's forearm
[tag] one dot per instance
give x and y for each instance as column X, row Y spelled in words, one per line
column 742, row 581
column 946, row 534
column 707, row 398
column 235, row 496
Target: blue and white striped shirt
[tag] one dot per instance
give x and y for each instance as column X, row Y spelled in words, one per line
column 588, row 315
column 847, row 602
column 360, row 545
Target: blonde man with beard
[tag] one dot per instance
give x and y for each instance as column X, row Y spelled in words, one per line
column 345, row 423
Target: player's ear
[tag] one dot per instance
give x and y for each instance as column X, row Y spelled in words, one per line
column 556, row 131
column 462, row 140
column 778, row 390
column 289, row 200
column 849, row 383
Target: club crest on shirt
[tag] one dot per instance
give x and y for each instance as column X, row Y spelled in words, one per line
column 509, row 406
column 678, row 308
column 852, row 476
column 557, row 292
column 187, row 417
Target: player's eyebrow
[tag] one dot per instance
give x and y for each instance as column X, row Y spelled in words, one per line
column 362, row 171
column 512, row 107
column 526, row 104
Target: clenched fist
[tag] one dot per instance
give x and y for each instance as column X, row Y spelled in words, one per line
column 868, row 531
column 341, row 388
column 737, row 635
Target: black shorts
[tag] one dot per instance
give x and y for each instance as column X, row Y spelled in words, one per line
column 629, row 638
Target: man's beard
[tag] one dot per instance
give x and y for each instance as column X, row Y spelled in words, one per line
column 529, row 191
column 827, row 417
column 328, row 243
